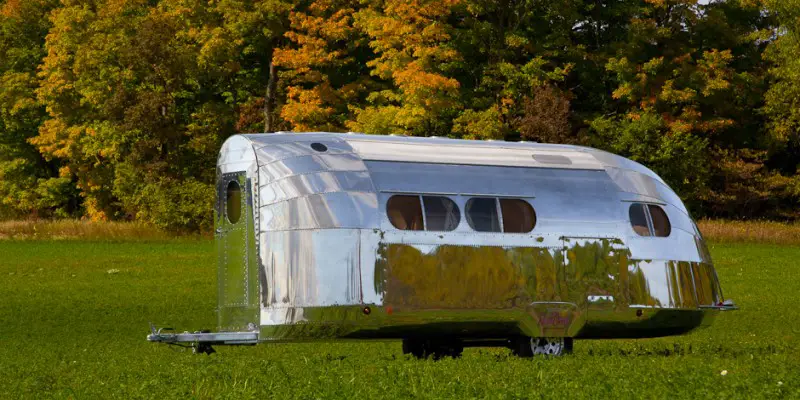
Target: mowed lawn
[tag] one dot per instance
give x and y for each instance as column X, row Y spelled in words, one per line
column 74, row 316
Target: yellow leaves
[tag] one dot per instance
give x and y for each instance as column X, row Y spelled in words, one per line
column 714, row 69
column 480, row 125
column 652, row 67
column 672, row 95
column 305, row 109
column 94, row 209
column 10, row 9
column 624, row 91
column 423, row 87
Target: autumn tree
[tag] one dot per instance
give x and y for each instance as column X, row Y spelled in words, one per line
column 782, row 100
column 29, row 184
column 323, row 66
column 689, row 83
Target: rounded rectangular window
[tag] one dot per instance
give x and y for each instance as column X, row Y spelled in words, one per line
column 482, row 214
column 518, row 216
column 661, row 225
column 638, row 216
column 233, row 202
column 441, row 213
column 405, row 212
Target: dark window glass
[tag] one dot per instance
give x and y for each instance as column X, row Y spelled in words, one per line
column 441, row 214
column 661, row 224
column 405, row 212
column 518, row 216
column 482, row 214
column 233, row 202
column 639, row 219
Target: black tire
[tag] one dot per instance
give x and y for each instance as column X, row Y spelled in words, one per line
column 526, row 347
column 436, row 349
column 414, row 347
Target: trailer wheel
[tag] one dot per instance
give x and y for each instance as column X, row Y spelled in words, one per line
column 537, row 346
column 436, row 349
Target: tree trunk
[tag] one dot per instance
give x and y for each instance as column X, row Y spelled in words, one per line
column 269, row 101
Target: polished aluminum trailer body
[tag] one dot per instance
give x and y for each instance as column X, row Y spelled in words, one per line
column 314, row 254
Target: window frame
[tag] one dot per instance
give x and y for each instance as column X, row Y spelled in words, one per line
column 461, row 201
column 421, row 208
column 500, row 210
column 420, row 197
column 229, row 204
column 498, row 206
column 649, row 218
column 425, row 212
column 497, row 211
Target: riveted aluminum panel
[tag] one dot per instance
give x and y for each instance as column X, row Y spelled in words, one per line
column 639, row 183
column 309, row 164
column 311, row 268
column 236, row 155
column 238, row 292
column 470, row 155
column 679, row 245
column 706, row 284
column 488, row 180
column 268, row 153
column 315, row 183
column 322, row 211
column 315, row 277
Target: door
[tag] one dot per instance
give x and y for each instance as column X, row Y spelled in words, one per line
column 237, row 304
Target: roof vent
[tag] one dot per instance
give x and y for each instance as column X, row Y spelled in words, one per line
column 319, row 147
column 552, row 159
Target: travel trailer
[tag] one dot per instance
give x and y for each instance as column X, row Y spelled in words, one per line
column 446, row 243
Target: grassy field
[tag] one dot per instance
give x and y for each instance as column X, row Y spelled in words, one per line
column 74, row 316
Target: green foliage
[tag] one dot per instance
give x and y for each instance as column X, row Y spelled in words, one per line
column 77, row 313
column 104, row 104
column 678, row 157
column 29, row 185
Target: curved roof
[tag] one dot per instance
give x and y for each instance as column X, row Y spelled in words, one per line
column 348, row 152
column 460, row 151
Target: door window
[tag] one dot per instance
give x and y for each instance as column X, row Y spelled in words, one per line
column 233, row 202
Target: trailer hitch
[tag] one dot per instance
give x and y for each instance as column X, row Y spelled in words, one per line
column 726, row 305
column 200, row 341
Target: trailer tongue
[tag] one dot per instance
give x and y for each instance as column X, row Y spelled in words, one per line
column 201, row 341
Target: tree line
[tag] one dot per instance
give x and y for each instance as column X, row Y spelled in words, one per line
column 116, row 109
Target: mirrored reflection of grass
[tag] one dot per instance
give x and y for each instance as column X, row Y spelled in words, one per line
column 74, row 314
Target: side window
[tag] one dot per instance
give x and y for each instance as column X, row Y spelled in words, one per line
column 518, row 216
column 233, row 202
column 639, row 219
column 405, row 212
column 649, row 220
column 661, row 225
column 441, row 213
column 482, row 214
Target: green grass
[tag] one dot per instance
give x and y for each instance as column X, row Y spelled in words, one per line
column 71, row 329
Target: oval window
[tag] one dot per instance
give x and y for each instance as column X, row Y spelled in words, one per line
column 661, row 225
column 441, row 213
column 405, row 212
column 233, row 202
column 638, row 217
column 482, row 214
column 518, row 216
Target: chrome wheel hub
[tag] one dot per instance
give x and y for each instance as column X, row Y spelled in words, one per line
column 548, row 346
